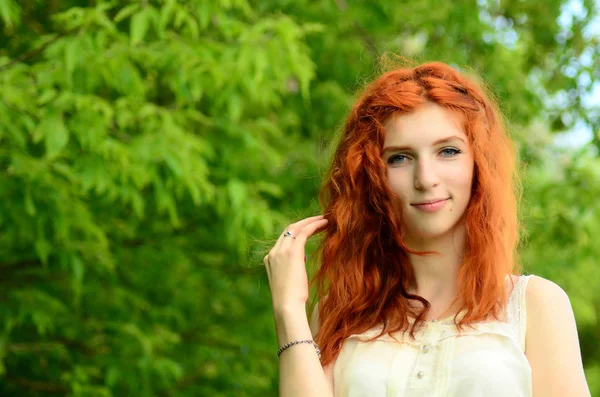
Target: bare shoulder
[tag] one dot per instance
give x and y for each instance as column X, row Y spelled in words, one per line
column 552, row 343
column 543, row 294
column 548, row 310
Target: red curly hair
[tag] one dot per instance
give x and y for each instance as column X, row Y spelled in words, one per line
column 364, row 270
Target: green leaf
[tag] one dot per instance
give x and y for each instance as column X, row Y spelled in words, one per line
column 46, row 96
column 72, row 54
column 173, row 163
column 126, row 11
column 234, row 105
column 78, row 274
column 237, row 194
column 112, row 376
column 56, row 134
column 101, row 18
column 10, row 12
column 42, row 249
column 166, row 13
column 29, row 204
column 270, row 188
column 139, row 25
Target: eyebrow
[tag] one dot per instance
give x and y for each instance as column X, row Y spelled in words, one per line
column 443, row 140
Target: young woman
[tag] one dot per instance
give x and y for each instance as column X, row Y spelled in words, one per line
column 419, row 290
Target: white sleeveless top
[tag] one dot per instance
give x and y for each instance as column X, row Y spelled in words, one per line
column 488, row 361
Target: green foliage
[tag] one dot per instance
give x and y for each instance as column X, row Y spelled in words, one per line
column 146, row 146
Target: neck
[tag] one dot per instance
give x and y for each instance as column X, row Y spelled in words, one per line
column 436, row 276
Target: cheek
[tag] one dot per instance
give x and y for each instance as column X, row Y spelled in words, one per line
column 398, row 177
column 460, row 176
column 466, row 183
column 398, row 185
column 464, row 186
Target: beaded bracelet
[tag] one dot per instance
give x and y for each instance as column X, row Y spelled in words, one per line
column 282, row 348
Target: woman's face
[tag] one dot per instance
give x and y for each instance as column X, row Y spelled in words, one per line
column 428, row 159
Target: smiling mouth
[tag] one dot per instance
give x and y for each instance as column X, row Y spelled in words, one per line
column 432, row 206
column 429, row 202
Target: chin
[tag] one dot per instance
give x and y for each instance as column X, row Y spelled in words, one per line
column 430, row 233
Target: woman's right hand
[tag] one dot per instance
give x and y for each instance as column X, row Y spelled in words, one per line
column 285, row 264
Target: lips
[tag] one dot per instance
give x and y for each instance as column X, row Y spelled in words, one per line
column 430, row 201
column 430, row 206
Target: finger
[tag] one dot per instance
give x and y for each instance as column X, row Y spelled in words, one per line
column 303, row 235
column 308, row 220
column 293, row 228
column 267, row 267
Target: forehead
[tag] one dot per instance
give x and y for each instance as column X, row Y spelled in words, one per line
column 428, row 123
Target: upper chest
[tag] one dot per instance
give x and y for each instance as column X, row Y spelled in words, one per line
column 438, row 362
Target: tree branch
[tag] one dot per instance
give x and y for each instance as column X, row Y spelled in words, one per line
column 24, row 264
column 36, row 385
column 37, row 50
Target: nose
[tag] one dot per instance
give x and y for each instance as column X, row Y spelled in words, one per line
column 426, row 176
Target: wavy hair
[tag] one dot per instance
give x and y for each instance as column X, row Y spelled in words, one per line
column 364, row 272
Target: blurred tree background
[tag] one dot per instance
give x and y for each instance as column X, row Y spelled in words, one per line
column 149, row 147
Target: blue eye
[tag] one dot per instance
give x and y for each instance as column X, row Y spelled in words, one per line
column 450, row 151
column 401, row 158
column 396, row 156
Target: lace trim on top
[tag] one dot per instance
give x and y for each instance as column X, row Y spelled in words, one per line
column 517, row 310
column 514, row 327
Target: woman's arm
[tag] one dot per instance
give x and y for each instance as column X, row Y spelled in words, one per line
column 300, row 371
column 552, row 344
